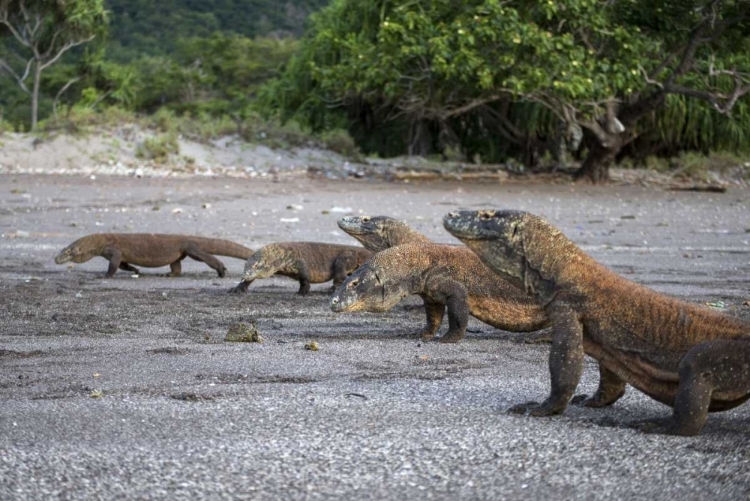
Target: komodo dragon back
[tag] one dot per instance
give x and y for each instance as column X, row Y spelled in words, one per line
column 222, row 247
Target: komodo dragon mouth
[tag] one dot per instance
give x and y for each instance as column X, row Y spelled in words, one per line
column 356, row 225
column 64, row 256
column 468, row 225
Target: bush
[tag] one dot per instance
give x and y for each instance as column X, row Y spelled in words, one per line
column 341, row 142
column 158, row 148
column 81, row 119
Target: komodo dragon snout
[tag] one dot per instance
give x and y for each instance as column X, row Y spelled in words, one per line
column 364, row 290
column 356, row 225
column 71, row 253
column 501, row 231
column 260, row 266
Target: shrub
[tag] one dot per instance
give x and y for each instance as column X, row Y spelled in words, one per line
column 158, row 148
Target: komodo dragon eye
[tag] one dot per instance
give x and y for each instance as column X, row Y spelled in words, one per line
column 354, row 283
column 486, row 215
column 515, row 230
column 365, row 219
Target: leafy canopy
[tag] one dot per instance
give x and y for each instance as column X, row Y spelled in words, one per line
column 438, row 58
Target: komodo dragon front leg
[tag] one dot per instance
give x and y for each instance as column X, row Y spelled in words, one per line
column 455, row 298
column 115, row 258
column 241, row 288
column 722, row 365
column 435, row 313
column 611, row 388
column 192, row 250
column 565, row 362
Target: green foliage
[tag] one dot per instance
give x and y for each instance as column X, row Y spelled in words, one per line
column 201, row 128
column 158, row 148
column 82, row 120
column 202, row 58
column 440, row 72
column 57, row 27
column 341, row 142
column 145, row 27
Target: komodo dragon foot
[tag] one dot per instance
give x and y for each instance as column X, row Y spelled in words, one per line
column 450, row 338
column 666, row 426
column 535, row 409
column 240, row 288
column 424, row 335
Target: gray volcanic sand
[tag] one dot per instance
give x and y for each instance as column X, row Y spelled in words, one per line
column 375, row 414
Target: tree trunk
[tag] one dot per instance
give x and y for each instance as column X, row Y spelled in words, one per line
column 35, row 95
column 595, row 168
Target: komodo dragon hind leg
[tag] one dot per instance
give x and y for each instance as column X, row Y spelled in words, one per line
column 719, row 366
column 175, row 268
column 303, row 275
column 130, row 268
column 611, row 388
column 196, row 253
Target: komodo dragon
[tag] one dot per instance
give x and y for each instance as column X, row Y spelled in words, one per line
column 378, row 233
column 683, row 355
column 443, row 277
column 308, row 262
column 512, row 310
column 151, row 250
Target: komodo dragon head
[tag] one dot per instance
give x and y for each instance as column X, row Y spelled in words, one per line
column 368, row 289
column 264, row 263
column 79, row 251
column 497, row 237
column 377, row 233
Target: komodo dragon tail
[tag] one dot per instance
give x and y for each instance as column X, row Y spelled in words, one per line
column 220, row 247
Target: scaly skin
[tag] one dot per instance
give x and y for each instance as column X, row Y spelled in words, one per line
column 307, row 262
column 378, row 233
column 691, row 358
column 123, row 250
column 445, row 276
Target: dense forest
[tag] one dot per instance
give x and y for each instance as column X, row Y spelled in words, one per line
column 479, row 80
column 147, row 28
column 192, row 55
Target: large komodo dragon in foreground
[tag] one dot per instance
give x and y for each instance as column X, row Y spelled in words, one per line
column 308, row 262
column 683, row 355
column 443, row 275
column 151, row 250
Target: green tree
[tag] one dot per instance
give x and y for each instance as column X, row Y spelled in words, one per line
column 45, row 30
column 601, row 66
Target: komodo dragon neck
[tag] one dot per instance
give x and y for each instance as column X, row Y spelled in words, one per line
column 553, row 261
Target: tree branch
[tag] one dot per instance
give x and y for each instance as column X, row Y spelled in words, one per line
column 4, row 19
column 64, row 49
column 19, row 79
column 60, row 93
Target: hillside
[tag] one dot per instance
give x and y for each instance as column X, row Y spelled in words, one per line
column 144, row 27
